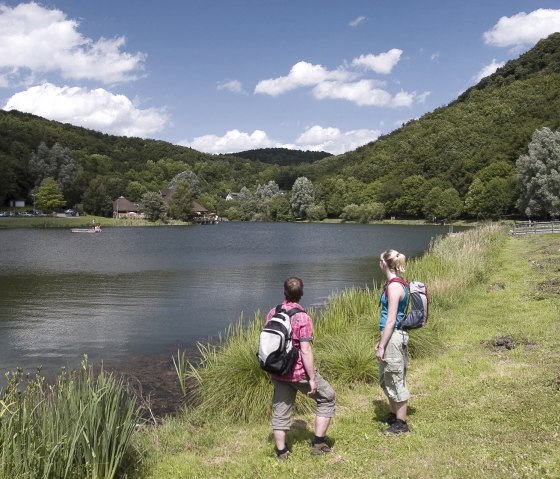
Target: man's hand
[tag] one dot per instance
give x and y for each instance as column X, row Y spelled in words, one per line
column 379, row 352
column 312, row 387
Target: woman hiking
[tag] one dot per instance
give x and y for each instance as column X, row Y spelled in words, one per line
column 392, row 349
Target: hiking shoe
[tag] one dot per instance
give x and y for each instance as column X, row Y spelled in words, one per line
column 319, row 449
column 391, row 418
column 283, row 456
column 398, row 427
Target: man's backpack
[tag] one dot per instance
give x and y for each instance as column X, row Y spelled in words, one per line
column 276, row 350
column 417, row 307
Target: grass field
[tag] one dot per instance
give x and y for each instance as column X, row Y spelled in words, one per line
column 485, row 403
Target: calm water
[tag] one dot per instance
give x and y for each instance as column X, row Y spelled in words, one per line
column 146, row 291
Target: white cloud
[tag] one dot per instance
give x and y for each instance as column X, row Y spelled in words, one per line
column 301, row 74
column 36, row 39
column 382, row 63
column 342, row 83
column 232, row 141
column 523, row 28
column 434, row 56
column 357, row 21
column 333, row 140
column 362, row 93
column 230, row 85
column 95, row 109
column 421, row 98
column 315, row 138
column 488, row 70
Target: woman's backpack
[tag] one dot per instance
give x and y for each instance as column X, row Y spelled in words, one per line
column 417, row 307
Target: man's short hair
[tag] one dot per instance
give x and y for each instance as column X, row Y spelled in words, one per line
column 293, row 289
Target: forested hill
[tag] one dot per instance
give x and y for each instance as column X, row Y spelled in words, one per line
column 456, row 160
column 490, row 123
column 112, row 162
column 282, row 156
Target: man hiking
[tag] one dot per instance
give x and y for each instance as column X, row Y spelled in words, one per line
column 303, row 377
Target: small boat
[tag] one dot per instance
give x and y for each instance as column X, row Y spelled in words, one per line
column 85, row 230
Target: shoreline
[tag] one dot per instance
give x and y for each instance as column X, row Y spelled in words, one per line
column 59, row 222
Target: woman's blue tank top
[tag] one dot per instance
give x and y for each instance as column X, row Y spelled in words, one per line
column 385, row 308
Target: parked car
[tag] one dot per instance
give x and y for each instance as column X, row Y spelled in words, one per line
column 4, row 214
column 71, row 212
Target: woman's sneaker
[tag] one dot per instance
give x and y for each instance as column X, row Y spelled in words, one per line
column 398, row 427
column 391, row 418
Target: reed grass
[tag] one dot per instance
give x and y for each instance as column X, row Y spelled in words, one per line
column 181, row 366
column 229, row 383
column 80, row 427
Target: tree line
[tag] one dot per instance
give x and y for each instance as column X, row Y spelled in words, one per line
column 478, row 157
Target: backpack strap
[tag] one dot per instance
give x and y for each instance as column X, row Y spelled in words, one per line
column 396, row 279
column 290, row 313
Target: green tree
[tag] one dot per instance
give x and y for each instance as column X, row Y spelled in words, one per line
column 191, row 178
column 180, row 204
column 488, row 200
column 135, row 190
column 442, row 204
column 49, row 196
column 56, row 162
column 153, row 206
column 280, row 208
column 247, row 204
column 539, row 175
column 371, row 212
column 303, row 196
column 412, row 198
column 351, row 212
column 96, row 199
column 317, row 212
column 332, row 193
column 263, row 199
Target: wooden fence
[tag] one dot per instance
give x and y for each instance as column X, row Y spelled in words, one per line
column 533, row 227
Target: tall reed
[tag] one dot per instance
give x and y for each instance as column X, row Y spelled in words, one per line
column 229, row 381
column 80, row 427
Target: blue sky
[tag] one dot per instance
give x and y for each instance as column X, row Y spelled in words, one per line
column 224, row 76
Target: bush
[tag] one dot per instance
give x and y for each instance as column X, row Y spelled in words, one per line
column 316, row 212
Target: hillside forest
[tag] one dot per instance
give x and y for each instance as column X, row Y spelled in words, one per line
column 493, row 152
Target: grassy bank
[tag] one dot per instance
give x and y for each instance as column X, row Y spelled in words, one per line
column 478, row 409
column 79, row 222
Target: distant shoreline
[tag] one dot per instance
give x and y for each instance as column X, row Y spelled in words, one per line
column 87, row 220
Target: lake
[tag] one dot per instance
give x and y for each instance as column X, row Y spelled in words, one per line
column 139, row 292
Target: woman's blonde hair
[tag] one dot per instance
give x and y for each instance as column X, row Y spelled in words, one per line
column 394, row 260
